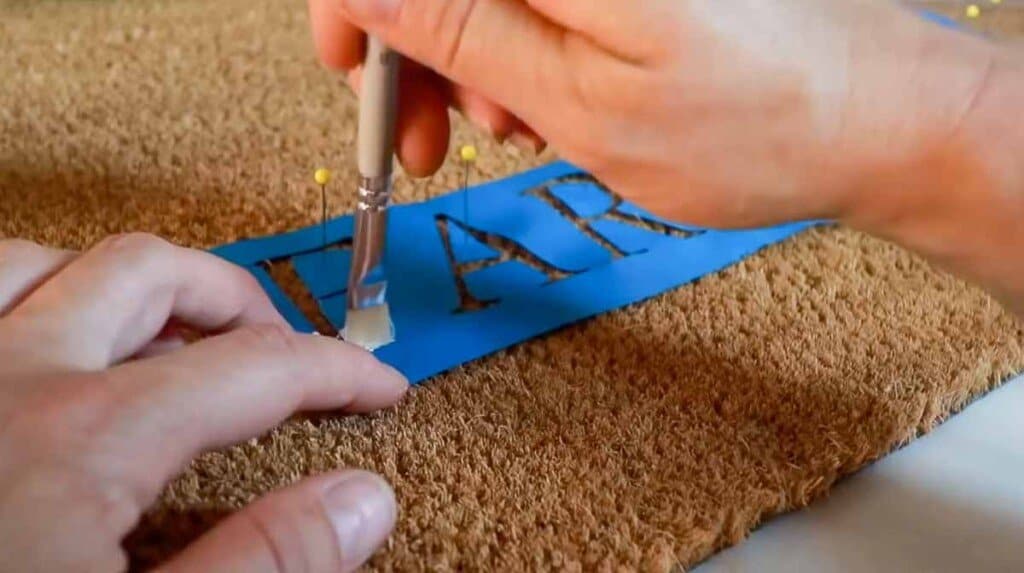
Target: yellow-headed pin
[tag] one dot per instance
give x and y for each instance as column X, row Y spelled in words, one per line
column 322, row 176
column 468, row 153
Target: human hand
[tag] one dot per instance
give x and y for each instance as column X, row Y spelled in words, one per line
column 724, row 114
column 102, row 403
column 423, row 122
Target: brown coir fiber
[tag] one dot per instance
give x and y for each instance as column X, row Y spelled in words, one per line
column 645, row 439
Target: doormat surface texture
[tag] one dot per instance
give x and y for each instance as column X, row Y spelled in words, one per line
column 647, row 438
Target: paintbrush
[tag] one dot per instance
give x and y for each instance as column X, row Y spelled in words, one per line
column 368, row 319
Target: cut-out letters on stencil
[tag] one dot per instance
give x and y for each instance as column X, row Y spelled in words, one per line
column 542, row 249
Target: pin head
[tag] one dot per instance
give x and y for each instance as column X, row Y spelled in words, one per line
column 973, row 11
column 468, row 153
column 322, row 176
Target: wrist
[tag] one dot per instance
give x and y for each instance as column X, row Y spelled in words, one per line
column 958, row 199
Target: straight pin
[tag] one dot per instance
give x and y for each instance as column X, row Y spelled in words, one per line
column 468, row 156
column 323, row 177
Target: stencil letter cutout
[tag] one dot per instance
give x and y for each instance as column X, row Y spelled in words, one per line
column 541, row 250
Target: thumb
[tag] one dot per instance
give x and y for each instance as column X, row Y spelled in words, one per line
column 503, row 49
column 329, row 523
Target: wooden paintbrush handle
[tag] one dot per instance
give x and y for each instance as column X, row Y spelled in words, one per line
column 378, row 110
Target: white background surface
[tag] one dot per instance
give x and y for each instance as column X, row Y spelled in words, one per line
column 951, row 501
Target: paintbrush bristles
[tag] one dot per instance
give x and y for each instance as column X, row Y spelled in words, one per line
column 370, row 327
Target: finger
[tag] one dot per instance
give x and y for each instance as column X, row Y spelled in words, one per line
column 423, row 127
column 24, row 266
column 328, row 523
column 502, row 49
column 234, row 386
column 498, row 122
column 171, row 338
column 526, row 138
column 123, row 292
column 340, row 45
column 634, row 30
column 160, row 346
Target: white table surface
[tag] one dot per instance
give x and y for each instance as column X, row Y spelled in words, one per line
column 951, row 501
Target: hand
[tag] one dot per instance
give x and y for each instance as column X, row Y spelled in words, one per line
column 725, row 114
column 731, row 113
column 102, row 403
column 423, row 123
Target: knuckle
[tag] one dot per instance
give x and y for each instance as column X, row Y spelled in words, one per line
column 449, row 22
column 133, row 244
column 592, row 87
column 112, row 499
column 241, row 281
column 246, row 281
column 136, row 253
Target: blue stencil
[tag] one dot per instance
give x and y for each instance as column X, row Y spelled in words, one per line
column 503, row 280
column 629, row 238
column 434, row 333
column 530, row 222
column 319, row 271
column 630, row 210
column 585, row 198
column 940, row 19
column 284, row 305
column 465, row 247
column 333, row 308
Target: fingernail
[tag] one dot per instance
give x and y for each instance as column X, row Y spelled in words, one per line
column 395, row 379
column 491, row 131
column 524, row 143
column 373, row 10
column 488, row 127
column 362, row 510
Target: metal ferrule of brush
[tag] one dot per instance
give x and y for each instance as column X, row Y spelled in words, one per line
column 374, row 193
column 367, row 284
